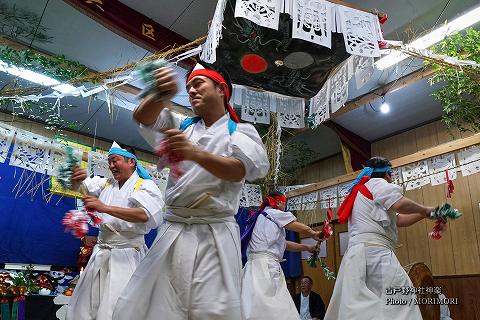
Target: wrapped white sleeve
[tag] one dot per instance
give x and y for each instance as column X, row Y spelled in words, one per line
column 248, row 147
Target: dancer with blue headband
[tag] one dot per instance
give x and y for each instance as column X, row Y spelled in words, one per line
column 373, row 209
column 129, row 205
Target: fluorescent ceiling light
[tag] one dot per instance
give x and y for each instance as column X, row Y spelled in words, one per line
column 433, row 37
column 36, row 78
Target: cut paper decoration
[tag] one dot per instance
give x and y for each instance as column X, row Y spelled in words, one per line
column 30, row 152
column 291, row 112
column 469, row 160
column 339, row 88
column 415, row 175
column 98, row 165
column 309, row 201
column 265, row 13
column 328, row 198
column 437, row 167
column 312, row 21
column 343, row 190
column 254, row 194
column 255, row 106
column 363, row 68
column 320, row 106
column 360, row 32
column 6, row 137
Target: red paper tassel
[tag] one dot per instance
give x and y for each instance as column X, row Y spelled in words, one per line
column 450, row 186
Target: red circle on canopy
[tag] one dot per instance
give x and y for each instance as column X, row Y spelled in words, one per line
column 253, row 63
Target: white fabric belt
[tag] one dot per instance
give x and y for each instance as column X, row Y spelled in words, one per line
column 119, row 240
column 172, row 215
column 372, row 239
column 263, row 254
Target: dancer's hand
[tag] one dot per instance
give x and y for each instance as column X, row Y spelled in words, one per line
column 313, row 249
column 179, row 145
column 78, row 175
column 89, row 241
column 93, row 203
column 166, row 83
column 427, row 212
column 318, row 235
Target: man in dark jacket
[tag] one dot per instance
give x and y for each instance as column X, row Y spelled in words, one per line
column 309, row 304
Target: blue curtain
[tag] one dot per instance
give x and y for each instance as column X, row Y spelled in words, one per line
column 31, row 230
column 292, row 266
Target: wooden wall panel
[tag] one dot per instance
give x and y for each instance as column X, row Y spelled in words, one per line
column 465, row 289
column 458, row 252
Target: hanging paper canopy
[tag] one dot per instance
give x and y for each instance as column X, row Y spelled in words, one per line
column 263, row 54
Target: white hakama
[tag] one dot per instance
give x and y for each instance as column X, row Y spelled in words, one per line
column 264, row 290
column 369, row 267
column 116, row 254
column 193, row 269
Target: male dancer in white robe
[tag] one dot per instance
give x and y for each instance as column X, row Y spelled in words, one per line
column 193, row 269
column 130, row 205
column 264, row 290
column 370, row 270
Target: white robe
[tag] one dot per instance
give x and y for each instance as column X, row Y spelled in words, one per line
column 193, row 269
column 264, row 290
column 369, row 267
column 115, row 256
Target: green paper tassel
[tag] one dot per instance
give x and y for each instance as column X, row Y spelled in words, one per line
column 146, row 73
column 312, row 262
column 445, row 212
column 65, row 171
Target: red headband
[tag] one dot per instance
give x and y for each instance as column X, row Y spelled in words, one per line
column 272, row 201
column 217, row 78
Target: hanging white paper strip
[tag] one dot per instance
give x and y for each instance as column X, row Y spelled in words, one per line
column 30, row 152
column 320, row 106
column 312, row 21
column 255, row 106
column 6, row 137
column 98, row 165
column 265, row 13
column 209, row 53
column 328, row 198
column 294, row 203
column 437, row 167
column 469, row 160
column 415, row 175
column 360, row 32
column 290, row 112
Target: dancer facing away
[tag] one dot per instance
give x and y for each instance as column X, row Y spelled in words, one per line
column 264, row 290
column 374, row 209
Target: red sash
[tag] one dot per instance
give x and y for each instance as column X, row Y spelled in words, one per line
column 346, row 207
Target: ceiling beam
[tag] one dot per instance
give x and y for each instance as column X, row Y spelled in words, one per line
column 126, row 88
column 383, row 90
column 130, row 24
column 399, row 162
